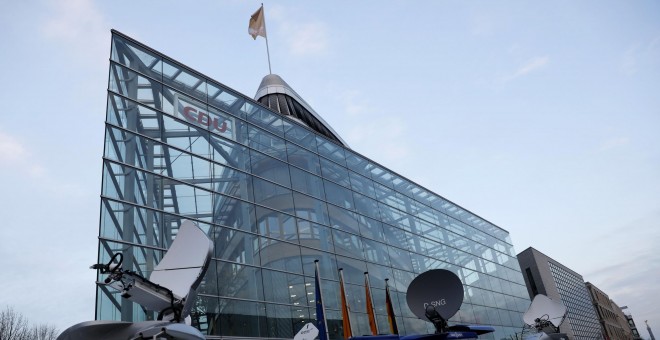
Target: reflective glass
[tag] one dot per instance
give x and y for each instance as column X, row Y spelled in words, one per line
column 310, row 208
column 358, row 164
column 130, row 223
column 366, row 206
column 270, row 168
column 299, row 135
column 334, row 172
column 232, row 182
column 307, row 183
column 267, row 143
column 277, row 225
column 353, row 269
column 229, row 153
column 338, row 195
column 371, row 228
column 136, row 87
column 233, row 213
column 241, row 318
column 272, row 195
column 376, row 252
column 343, row 219
column 314, row 235
column 236, row 246
column 303, row 159
column 184, row 80
column 331, row 150
column 362, row 185
column 224, row 99
column 400, row 258
column 127, row 53
column 280, row 255
column 131, row 116
column 347, row 244
column 225, row 125
column 327, row 263
column 265, row 119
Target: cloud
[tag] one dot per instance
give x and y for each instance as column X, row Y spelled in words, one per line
column 629, row 62
column 11, row 150
column 614, row 143
column 531, row 65
column 79, row 25
column 303, row 38
column 14, row 155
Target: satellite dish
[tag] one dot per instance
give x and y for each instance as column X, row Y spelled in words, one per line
column 545, row 309
column 437, row 288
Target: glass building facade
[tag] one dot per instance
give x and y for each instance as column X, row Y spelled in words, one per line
column 274, row 196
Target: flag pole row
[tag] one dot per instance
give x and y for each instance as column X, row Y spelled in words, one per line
column 321, row 322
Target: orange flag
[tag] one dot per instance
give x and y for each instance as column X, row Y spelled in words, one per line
column 370, row 306
column 345, row 311
column 390, row 310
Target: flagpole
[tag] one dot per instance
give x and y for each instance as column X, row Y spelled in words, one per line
column 371, row 300
column 267, row 49
column 325, row 320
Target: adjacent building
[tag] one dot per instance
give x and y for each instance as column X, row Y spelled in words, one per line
column 276, row 188
column 612, row 321
column 543, row 275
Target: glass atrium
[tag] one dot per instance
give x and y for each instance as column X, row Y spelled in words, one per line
column 274, row 196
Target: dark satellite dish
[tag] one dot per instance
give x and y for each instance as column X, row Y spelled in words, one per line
column 435, row 295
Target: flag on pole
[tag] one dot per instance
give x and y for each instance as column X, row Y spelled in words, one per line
column 390, row 310
column 370, row 306
column 345, row 311
column 257, row 24
column 321, row 323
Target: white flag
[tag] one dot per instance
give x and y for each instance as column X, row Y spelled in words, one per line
column 257, row 24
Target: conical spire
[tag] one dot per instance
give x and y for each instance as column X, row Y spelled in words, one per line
column 278, row 96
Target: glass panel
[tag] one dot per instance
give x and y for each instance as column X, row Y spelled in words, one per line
column 331, row 150
column 376, row 252
column 129, row 115
column 272, row 195
column 315, row 236
column 277, row 225
column 126, row 53
column 184, row 80
column 303, row 159
column 400, row 258
column 347, row 244
column 222, row 98
column 134, row 86
column 132, row 224
column 366, row 206
column 358, row 164
column 362, row 185
column 307, row 183
column 270, row 168
column 343, row 219
column 230, row 153
column 353, row 269
column 226, row 125
column 236, row 246
column 239, row 281
column 234, row 213
column 310, row 208
column 265, row 119
column 327, row 262
column 300, row 136
column 371, row 228
column 338, row 195
column 334, row 172
column 267, row 143
column 241, row 318
column 232, row 182
column 280, row 255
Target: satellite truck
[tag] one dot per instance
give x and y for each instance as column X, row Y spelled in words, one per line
column 435, row 296
column 170, row 290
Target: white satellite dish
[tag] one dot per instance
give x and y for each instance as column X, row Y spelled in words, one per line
column 544, row 308
column 308, row 332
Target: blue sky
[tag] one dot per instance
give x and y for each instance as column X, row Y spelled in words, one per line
column 541, row 117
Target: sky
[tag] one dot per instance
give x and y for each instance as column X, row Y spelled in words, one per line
column 541, row 117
